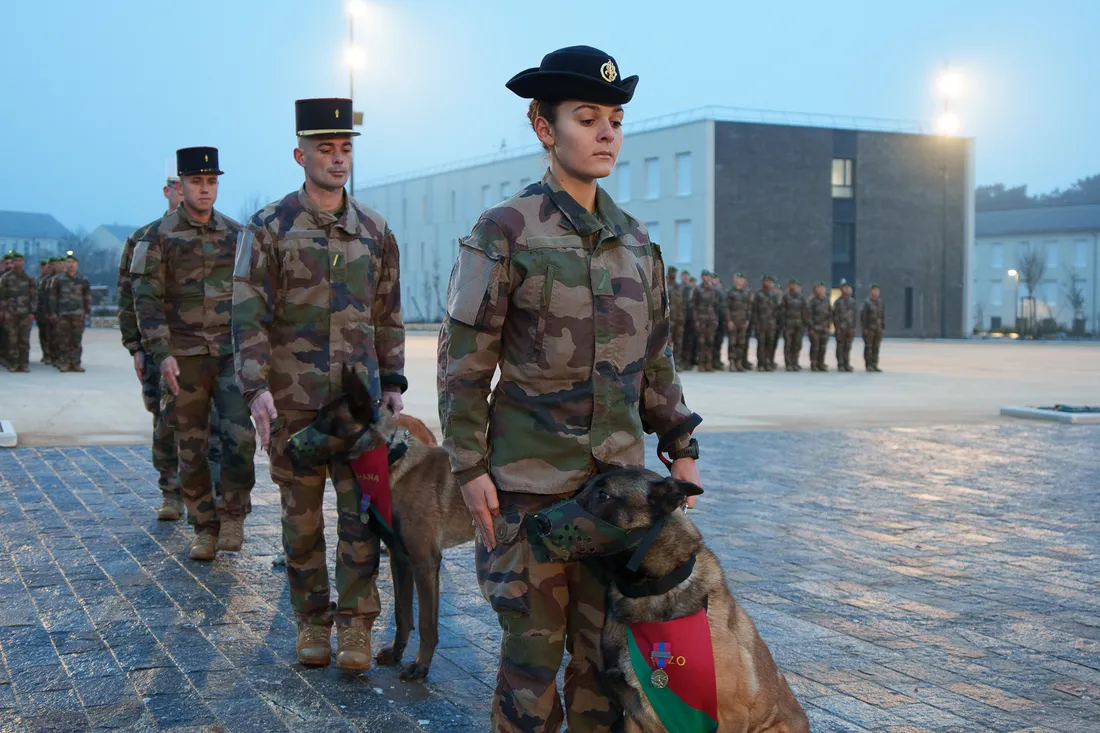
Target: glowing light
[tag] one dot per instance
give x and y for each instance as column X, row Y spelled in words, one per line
column 948, row 124
column 355, row 57
column 951, row 84
column 1013, row 273
column 357, row 8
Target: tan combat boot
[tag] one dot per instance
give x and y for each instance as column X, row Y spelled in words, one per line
column 314, row 645
column 231, row 535
column 171, row 509
column 353, row 647
column 203, row 547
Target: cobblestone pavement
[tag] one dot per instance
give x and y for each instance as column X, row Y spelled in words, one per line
column 929, row 579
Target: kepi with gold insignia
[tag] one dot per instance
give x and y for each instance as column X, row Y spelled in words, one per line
column 324, row 116
column 197, row 161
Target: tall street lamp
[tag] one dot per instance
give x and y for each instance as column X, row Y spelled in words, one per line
column 950, row 85
column 356, row 58
column 1015, row 299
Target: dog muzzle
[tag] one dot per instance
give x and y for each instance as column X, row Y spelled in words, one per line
column 567, row 532
column 312, row 447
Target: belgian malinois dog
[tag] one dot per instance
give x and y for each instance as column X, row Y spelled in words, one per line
column 752, row 694
column 429, row 515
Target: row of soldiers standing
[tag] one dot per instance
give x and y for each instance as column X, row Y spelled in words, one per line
column 702, row 315
column 59, row 300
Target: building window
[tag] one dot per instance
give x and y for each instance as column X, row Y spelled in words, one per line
column 997, row 256
column 995, row 290
column 683, row 174
column 624, row 183
column 1080, row 253
column 652, row 178
column 524, row 183
column 486, row 197
column 1051, row 296
column 1052, row 255
column 844, row 243
column 683, row 241
column 908, row 307
column 654, row 228
column 844, row 178
column 454, row 205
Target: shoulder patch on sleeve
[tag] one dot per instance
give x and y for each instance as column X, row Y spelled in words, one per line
column 137, row 264
column 242, row 266
column 469, row 287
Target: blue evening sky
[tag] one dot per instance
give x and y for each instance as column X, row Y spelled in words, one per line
column 96, row 96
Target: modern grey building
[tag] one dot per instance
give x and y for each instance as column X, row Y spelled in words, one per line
column 37, row 236
column 805, row 196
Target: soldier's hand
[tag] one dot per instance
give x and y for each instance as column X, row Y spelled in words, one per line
column 170, row 370
column 263, row 412
column 480, row 496
column 685, row 469
column 393, row 401
column 139, row 364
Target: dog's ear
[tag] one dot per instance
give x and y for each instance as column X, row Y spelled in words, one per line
column 669, row 494
column 355, row 389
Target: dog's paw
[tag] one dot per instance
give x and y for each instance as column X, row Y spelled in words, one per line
column 414, row 671
column 387, row 657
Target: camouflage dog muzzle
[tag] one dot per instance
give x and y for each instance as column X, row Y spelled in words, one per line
column 567, row 532
column 310, row 446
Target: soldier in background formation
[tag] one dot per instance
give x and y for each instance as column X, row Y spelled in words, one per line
column 844, row 323
column 68, row 307
column 793, row 316
column 18, row 299
column 704, row 305
column 765, row 322
column 818, row 326
column 676, row 313
column 738, row 320
column 721, row 330
column 872, row 320
column 687, row 291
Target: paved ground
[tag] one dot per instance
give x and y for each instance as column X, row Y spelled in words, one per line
column 925, row 383
column 907, row 580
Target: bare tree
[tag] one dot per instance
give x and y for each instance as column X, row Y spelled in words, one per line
column 250, row 206
column 1075, row 296
column 1032, row 266
column 979, row 318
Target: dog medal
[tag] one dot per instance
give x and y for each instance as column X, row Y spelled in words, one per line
column 661, row 653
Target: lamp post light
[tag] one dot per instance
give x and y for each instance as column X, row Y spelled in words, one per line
column 1015, row 300
column 950, row 85
column 356, row 58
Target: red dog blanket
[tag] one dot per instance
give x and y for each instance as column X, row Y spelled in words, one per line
column 372, row 473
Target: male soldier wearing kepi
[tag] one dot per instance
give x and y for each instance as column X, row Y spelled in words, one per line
column 40, row 309
column 184, row 302
column 70, row 304
column 704, row 306
column 872, row 320
column 818, row 326
column 18, row 298
column 792, row 319
column 738, row 317
column 165, row 457
column 676, row 313
column 316, row 288
column 844, row 323
column 764, row 322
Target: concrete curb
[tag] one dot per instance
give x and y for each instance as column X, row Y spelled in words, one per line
column 8, row 437
column 1035, row 413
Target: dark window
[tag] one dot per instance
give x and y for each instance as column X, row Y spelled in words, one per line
column 844, row 178
column 909, row 307
column 994, row 323
column 844, row 243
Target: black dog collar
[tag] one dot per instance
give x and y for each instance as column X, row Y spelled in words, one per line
column 656, row 586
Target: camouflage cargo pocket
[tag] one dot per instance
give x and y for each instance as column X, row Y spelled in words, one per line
column 503, row 572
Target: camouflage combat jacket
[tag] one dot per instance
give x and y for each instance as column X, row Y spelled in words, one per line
column 765, row 311
column 312, row 291
column 183, row 293
column 872, row 316
column 70, row 295
column 43, row 296
column 739, row 307
column 820, row 314
column 572, row 308
column 127, row 315
column 793, row 312
column 18, row 294
column 675, row 302
column 704, row 304
column 844, row 314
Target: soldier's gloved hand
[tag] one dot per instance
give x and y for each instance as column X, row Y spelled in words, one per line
column 170, row 370
column 263, row 412
column 393, row 401
column 480, row 496
column 685, row 469
column 139, row 364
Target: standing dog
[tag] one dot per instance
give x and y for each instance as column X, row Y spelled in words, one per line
column 752, row 694
column 429, row 514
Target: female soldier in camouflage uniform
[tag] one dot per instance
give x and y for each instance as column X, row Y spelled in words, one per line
column 564, row 292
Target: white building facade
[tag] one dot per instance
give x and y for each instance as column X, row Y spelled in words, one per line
column 1064, row 239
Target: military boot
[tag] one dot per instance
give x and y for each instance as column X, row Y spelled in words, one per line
column 314, row 644
column 171, row 508
column 203, row 547
column 231, row 534
column 353, row 647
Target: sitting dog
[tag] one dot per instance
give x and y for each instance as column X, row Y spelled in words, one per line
column 671, row 576
column 429, row 514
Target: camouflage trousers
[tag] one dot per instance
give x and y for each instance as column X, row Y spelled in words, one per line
column 719, row 337
column 202, row 379
column 706, row 329
column 765, row 347
column 17, row 337
column 688, row 343
column 43, row 335
column 676, row 327
column 844, row 339
column 68, row 333
column 301, row 492
column 819, row 344
column 165, row 457
column 872, row 340
column 738, row 350
column 792, row 345
column 545, row 608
